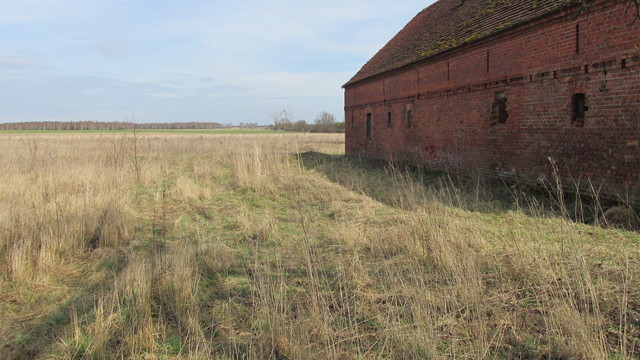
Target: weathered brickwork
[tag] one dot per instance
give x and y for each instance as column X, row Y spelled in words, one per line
column 540, row 70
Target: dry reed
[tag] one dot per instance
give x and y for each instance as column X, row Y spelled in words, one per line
column 278, row 246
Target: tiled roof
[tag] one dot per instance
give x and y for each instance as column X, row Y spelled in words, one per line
column 448, row 24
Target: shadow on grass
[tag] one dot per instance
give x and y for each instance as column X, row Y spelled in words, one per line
column 395, row 184
column 35, row 339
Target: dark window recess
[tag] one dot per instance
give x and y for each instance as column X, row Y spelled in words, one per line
column 579, row 108
column 577, row 38
column 409, row 118
column 368, row 126
column 499, row 114
column 487, row 61
column 353, row 121
column 389, row 123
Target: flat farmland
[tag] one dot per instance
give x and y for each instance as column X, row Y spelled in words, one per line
column 278, row 246
column 225, row 131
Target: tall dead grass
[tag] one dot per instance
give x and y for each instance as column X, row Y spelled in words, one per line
column 276, row 246
column 58, row 200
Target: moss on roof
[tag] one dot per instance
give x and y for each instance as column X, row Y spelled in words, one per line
column 448, row 24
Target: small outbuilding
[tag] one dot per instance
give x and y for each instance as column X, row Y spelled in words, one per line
column 520, row 89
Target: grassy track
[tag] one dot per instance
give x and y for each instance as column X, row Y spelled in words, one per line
column 163, row 246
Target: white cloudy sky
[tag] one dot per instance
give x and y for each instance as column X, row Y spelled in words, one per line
column 190, row 60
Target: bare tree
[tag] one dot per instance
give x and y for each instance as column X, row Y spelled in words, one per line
column 631, row 3
column 325, row 122
column 300, row 126
column 282, row 120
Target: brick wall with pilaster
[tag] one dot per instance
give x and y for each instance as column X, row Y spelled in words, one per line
column 538, row 68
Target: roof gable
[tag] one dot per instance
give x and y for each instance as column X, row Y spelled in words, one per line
column 448, row 24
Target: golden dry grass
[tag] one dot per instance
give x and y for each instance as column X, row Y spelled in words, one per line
column 279, row 247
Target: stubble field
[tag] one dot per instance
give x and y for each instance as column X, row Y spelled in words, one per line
column 215, row 246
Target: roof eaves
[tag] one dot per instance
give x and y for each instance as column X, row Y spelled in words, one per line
column 457, row 43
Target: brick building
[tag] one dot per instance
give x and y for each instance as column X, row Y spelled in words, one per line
column 507, row 88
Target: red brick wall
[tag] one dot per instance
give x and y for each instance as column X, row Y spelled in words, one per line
column 538, row 68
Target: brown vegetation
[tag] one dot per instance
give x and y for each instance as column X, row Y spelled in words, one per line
column 278, row 246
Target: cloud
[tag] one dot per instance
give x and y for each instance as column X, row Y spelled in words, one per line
column 311, row 84
column 195, row 60
column 114, row 48
column 9, row 62
column 34, row 11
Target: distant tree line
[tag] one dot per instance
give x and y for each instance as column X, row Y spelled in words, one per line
column 323, row 123
column 244, row 125
column 98, row 125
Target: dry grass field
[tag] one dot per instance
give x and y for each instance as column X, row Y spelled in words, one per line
column 196, row 246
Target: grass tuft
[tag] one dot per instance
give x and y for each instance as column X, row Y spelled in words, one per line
column 279, row 246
